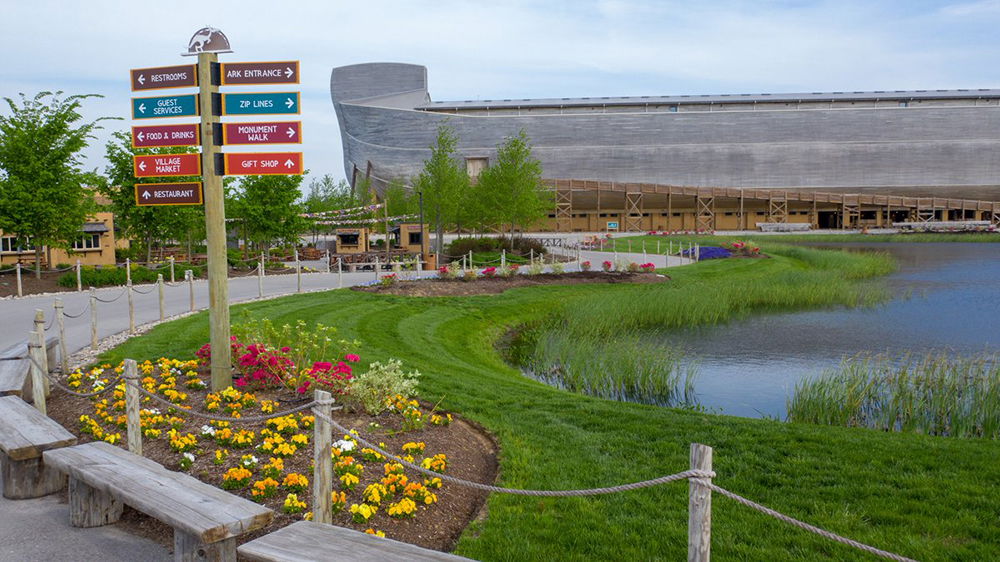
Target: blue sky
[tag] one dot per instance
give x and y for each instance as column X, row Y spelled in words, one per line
column 492, row 50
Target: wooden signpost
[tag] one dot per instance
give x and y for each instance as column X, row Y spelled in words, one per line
column 210, row 134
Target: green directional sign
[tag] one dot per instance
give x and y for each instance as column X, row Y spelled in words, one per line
column 165, row 106
column 260, row 103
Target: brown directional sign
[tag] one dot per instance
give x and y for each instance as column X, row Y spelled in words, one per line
column 244, row 73
column 164, row 77
column 272, row 132
column 150, row 194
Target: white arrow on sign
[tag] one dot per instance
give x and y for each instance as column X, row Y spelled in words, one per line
column 140, row 136
column 291, row 133
column 142, row 166
column 145, row 195
column 142, row 108
column 289, row 103
column 141, row 79
column 289, row 163
column 288, row 72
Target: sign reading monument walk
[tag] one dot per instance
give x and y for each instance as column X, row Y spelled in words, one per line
column 150, row 194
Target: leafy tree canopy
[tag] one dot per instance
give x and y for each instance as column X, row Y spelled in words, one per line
column 511, row 189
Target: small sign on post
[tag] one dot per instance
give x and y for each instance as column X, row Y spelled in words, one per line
column 263, row 163
column 255, row 73
column 149, row 136
column 149, row 194
column 164, row 165
column 179, row 76
column 262, row 103
column 279, row 132
column 165, row 106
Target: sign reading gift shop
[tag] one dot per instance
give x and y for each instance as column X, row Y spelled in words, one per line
column 157, row 194
column 262, row 163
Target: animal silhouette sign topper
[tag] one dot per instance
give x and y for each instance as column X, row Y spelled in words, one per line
column 208, row 40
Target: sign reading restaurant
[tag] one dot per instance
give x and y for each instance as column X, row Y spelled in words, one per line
column 188, row 193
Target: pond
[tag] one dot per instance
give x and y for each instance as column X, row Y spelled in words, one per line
column 946, row 297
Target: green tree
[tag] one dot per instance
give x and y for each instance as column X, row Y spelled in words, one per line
column 269, row 209
column 400, row 200
column 327, row 194
column 511, row 189
column 42, row 188
column 443, row 181
column 183, row 223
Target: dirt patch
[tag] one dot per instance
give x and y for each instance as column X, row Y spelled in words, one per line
column 496, row 285
column 471, row 453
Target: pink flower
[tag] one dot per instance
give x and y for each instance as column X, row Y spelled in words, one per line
column 352, row 358
column 286, row 349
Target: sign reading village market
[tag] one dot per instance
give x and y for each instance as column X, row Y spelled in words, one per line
column 161, row 165
column 151, row 136
column 281, row 132
column 246, row 73
column 148, row 194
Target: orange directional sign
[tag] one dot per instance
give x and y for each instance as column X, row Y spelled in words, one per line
column 149, row 194
column 161, row 165
column 164, row 77
column 263, row 163
column 278, row 132
column 237, row 73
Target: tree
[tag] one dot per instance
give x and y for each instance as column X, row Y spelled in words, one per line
column 511, row 189
column 400, row 200
column 42, row 193
column 269, row 209
column 325, row 194
column 183, row 223
column 443, row 181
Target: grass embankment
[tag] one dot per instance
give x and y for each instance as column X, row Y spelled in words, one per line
column 925, row 497
column 621, row 242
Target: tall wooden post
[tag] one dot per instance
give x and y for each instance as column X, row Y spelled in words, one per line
column 20, row 289
column 700, row 507
column 61, row 322
column 131, row 308
column 215, row 228
column 79, row 277
column 298, row 272
column 159, row 290
column 36, row 349
column 172, row 280
column 322, row 462
column 93, row 319
column 189, row 275
column 132, row 407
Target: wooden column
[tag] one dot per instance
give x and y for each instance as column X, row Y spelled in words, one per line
column 700, row 507
column 90, row 507
column 133, row 424
column 322, row 462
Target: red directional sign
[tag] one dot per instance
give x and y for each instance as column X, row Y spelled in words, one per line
column 279, row 132
column 148, row 194
column 263, row 163
column 159, row 165
column 239, row 73
column 179, row 76
column 166, row 135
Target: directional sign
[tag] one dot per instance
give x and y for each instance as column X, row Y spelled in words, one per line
column 161, row 165
column 242, row 73
column 263, row 163
column 166, row 135
column 261, row 103
column 164, row 77
column 165, row 106
column 280, row 132
column 148, row 194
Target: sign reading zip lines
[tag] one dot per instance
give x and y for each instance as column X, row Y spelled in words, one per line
column 280, row 132
column 164, row 165
column 262, row 163
column 264, row 103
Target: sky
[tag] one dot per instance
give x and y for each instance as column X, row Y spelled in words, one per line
column 494, row 50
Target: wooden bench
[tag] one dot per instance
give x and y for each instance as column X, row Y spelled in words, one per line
column 206, row 520
column 24, row 435
column 307, row 541
column 15, row 369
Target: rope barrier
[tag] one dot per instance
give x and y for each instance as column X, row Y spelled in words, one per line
column 802, row 525
column 84, row 311
column 136, row 289
column 54, row 380
column 549, row 493
column 120, row 295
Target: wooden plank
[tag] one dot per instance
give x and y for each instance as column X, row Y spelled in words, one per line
column 25, row 433
column 306, row 541
column 177, row 499
column 19, row 349
column 13, row 373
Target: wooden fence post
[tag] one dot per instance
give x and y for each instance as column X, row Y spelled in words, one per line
column 298, row 272
column 260, row 277
column 189, row 275
column 172, row 269
column 128, row 271
column 93, row 318
column 132, row 407
column 159, row 288
column 322, row 462
column 700, row 507
column 61, row 322
column 131, row 308
column 79, row 277
column 36, row 348
column 340, row 273
column 377, row 265
column 17, row 267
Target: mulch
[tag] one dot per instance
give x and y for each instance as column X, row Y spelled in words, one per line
column 495, row 285
column 471, row 452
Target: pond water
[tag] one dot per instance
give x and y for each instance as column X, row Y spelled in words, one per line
column 946, row 297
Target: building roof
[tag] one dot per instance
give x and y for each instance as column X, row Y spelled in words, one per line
column 91, row 227
column 902, row 95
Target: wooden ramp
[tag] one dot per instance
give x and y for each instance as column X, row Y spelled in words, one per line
column 306, row 541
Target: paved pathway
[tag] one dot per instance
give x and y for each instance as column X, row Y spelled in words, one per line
column 39, row 530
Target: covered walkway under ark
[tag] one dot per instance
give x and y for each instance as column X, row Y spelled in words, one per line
column 589, row 206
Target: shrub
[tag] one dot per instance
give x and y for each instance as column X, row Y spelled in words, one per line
column 469, row 275
column 372, row 389
column 607, row 266
column 585, row 266
column 536, row 268
column 633, row 267
column 388, row 280
column 521, row 246
column 557, row 267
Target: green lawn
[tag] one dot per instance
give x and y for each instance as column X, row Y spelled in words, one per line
column 621, row 242
column 923, row 497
